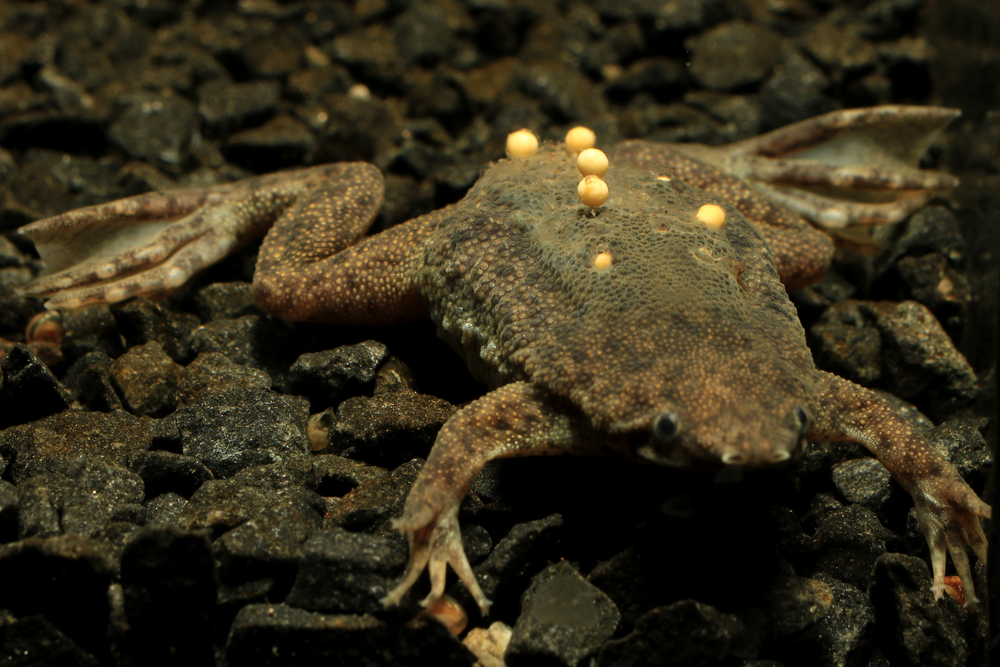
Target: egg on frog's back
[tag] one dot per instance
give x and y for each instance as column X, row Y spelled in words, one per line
column 634, row 256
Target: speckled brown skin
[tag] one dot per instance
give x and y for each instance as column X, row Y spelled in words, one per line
column 684, row 351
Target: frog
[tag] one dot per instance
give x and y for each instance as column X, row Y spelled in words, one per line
column 638, row 327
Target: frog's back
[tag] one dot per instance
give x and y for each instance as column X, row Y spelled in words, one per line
column 597, row 303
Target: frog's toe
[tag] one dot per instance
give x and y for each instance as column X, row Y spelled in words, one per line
column 145, row 245
column 105, row 281
column 845, row 168
column 435, row 545
column 951, row 523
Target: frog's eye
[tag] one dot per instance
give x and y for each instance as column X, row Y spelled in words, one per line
column 666, row 426
column 802, row 419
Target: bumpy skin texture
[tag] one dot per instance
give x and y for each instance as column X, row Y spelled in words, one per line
column 684, row 351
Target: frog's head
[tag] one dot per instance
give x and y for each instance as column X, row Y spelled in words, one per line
column 717, row 425
column 725, row 442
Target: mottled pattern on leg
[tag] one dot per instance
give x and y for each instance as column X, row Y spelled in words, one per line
column 947, row 509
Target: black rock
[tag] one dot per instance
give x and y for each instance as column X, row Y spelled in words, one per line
column 147, row 380
column 169, row 588
column 864, row 481
column 29, row 390
column 168, row 472
column 914, row 628
column 236, row 429
column 683, row 633
column 851, row 540
column 389, row 428
column 564, row 620
column 142, row 321
column 35, row 636
column 330, row 376
column 347, row 572
column 358, row 640
column 90, row 379
column 65, row 579
column 270, row 544
column 157, row 128
column 212, row 373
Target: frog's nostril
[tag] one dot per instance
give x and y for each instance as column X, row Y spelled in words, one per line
column 733, row 459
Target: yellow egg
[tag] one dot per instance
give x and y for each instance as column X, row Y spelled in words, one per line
column 580, row 139
column 592, row 191
column 713, row 216
column 592, row 162
column 521, row 144
column 602, row 260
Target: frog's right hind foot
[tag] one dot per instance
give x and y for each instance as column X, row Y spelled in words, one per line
column 846, row 168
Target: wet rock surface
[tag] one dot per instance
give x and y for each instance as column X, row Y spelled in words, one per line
column 158, row 491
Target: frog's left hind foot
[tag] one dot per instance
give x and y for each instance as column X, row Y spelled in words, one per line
column 151, row 244
column 845, row 168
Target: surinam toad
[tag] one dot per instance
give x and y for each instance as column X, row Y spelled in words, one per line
column 648, row 326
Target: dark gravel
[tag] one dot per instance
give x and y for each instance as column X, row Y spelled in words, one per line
column 160, row 499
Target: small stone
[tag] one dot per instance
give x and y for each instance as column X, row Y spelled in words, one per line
column 240, row 428
column 168, row 472
column 850, row 540
column 389, row 428
column 147, row 379
column 142, row 321
column 340, row 571
column 683, row 633
column 864, row 481
column 212, row 373
column 733, row 55
column 169, row 587
column 28, row 390
column 330, row 376
column 58, row 577
column 921, row 631
column 564, row 619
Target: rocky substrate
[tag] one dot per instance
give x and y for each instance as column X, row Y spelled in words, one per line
column 161, row 500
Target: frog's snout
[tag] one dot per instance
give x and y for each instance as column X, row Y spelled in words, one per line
column 740, row 445
column 773, row 449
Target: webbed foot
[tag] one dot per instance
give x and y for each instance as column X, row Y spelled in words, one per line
column 151, row 244
column 844, row 168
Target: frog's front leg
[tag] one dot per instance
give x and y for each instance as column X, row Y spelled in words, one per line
column 948, row 510
column 517, row 419
column 153, row 243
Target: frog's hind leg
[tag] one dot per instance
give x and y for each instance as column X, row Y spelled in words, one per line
column 948, row 510
column 151, row 244
column 310, row 270
column 845, row 168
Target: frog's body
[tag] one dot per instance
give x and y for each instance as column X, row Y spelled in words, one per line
column 684, row 350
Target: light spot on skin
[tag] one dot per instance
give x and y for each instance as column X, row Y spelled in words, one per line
column 521, row 144
column 713, row 216
column 602, row 260
column 580, row 139
column 592, row 162
column 116, row 295
column 592, row 191
column 663, row 178
column 359, row 91
column 175, row 277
